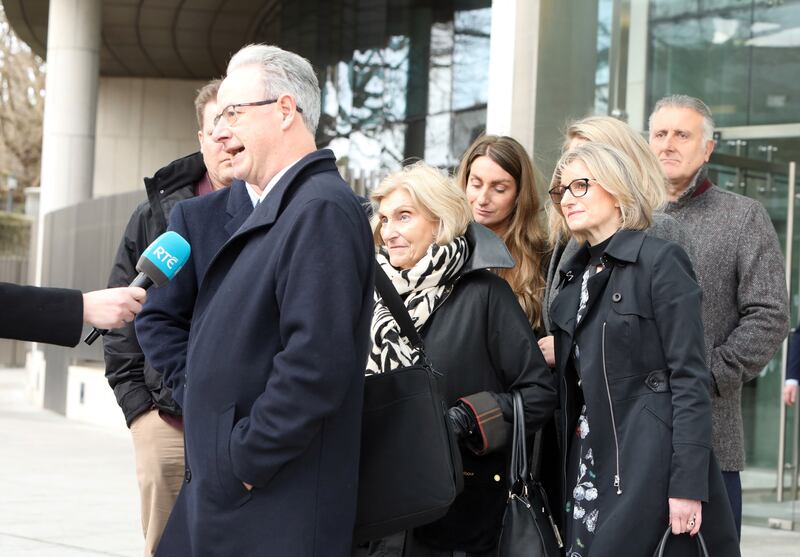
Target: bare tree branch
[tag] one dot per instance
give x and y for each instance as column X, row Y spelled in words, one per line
column 22, row 80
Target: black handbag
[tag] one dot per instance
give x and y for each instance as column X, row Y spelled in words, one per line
column 410, row 469
column 528, row 526
column 662, row 546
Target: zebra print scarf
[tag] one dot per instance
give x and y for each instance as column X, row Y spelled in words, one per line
column 422, row 287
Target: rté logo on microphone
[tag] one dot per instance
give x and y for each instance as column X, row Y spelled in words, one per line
column 165, row 257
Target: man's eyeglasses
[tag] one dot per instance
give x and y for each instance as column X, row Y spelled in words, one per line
column 231, row 112
column 577, row 188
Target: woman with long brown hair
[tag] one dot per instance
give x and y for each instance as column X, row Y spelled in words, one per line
column 499, row 179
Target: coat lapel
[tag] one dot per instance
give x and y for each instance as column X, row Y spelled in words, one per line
column 239, row 207
column 563, row 308
column 263, row 217
column 274, row 203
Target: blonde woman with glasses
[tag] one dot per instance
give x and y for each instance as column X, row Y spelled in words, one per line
column 634, row 388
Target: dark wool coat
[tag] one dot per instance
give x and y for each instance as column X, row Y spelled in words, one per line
column 275, row 375
column 480, row 339
column 646, row 388
column 34, row 314
column 164, row 323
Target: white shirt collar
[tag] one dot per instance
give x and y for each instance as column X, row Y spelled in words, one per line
column 255, row 197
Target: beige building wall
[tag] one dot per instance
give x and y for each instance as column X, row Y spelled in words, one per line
column 142, row 125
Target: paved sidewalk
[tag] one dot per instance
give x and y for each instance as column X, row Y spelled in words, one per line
column 66, row 489
column 69, row 490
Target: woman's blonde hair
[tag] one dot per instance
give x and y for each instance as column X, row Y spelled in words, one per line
column 616, row 173
column 435, row 195
column 525, row 235
column 608, row 130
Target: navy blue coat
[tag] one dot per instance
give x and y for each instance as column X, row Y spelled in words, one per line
column 793, row 367
column 274, row 381
column 206, row 222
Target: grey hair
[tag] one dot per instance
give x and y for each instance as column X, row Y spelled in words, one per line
column 284, row 73
column 693, row 103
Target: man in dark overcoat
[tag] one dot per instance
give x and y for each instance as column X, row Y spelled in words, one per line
column 278, row 343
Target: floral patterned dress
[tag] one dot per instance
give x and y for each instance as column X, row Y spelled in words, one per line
column 583, row 507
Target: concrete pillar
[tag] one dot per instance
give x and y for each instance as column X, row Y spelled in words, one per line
column 636, row 98
column 73, row 54
column 542, row 63
column 73, row 61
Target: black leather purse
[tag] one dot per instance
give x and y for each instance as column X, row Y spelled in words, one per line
column 662, row 546
column 528, row 526
column 410, row 469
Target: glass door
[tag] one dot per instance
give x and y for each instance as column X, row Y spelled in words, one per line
column 771, row 429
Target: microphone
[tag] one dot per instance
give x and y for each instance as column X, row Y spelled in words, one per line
column 158, row 264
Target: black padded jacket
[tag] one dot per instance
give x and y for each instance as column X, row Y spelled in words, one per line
column 137, row 386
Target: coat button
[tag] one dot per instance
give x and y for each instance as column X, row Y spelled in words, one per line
column 187, row 475
column 616, row 297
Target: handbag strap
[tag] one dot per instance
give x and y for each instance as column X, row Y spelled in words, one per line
column 393, row 301
column 536, row 456
column 519, row 462
column 702, row 550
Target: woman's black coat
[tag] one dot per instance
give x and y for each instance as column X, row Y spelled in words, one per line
column 646, row 388
column 480, row 339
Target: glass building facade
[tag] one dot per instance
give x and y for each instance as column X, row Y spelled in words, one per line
column 417, row 89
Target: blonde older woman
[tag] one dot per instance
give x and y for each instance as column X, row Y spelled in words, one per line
column 634, row 387
column 475, row 333
column 652, row 187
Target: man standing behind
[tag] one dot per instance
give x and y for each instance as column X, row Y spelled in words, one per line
column 275, row 369
column 150, row 411
column 739, row 265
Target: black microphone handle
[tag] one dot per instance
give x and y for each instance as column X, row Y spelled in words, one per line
column 142, row 281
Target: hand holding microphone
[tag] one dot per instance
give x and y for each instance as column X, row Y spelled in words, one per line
column 158, row 264
column 112, row 307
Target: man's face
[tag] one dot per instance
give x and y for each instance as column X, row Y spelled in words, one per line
column 676, row 138
column 251, row 140
column 217, row 161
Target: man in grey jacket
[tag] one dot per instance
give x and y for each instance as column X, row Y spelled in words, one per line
column 739, row 265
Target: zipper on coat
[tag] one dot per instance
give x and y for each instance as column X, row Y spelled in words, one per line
column 566, row 437
column 617, row 479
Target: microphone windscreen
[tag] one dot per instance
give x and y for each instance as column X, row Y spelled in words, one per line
column 164, row 257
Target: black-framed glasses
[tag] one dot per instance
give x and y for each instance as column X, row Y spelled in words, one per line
column 231, row 113
column 578, row 188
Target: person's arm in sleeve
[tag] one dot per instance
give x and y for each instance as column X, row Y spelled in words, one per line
column 517, row 359
column 677, row 303
column 56, row 315
column 763, row 306
column 323, row 275
column 34, row 314
column 163, row 325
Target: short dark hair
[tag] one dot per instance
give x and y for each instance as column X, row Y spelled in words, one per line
column 206, row 94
